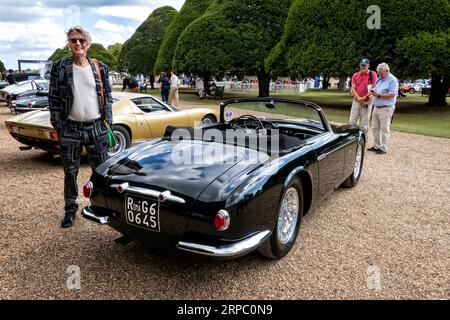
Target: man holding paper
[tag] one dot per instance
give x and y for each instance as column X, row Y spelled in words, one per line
column 363, row 82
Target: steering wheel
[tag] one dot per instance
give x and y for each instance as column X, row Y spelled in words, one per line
column 234, row 125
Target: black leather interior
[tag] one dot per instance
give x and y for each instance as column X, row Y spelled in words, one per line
column 286, row 143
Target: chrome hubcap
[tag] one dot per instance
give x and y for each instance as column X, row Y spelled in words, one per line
column 120, row 146
column 358, row 161
column 287, row 219
column 206, row 121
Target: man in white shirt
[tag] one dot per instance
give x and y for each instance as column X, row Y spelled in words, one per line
column 80, row 111
column 174, row 86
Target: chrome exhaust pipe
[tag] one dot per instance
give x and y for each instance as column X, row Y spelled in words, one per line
column 87, row 213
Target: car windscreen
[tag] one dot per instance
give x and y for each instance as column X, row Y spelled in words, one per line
column 296, row 112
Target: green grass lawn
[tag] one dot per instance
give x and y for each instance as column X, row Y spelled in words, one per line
column 411, row 114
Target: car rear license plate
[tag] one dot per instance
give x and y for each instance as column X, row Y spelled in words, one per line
column 142, row 212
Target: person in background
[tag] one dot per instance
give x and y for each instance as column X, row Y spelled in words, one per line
column 362, row 82
column 164, row 87
column 10, row 77
column 131, row 84
column 385, row 98
column 80, row 111
column 174, row 86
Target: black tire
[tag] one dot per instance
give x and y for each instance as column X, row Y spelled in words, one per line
column 275, row 247
column 353, row 179
column 412, row 91
column 123, row 140
column 208, row 120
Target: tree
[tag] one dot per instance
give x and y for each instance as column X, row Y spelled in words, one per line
column 191, row 10
column 60, row 53
column 233, row 34
column 96, row 51
column 115, row 50
column 2, row 67
column 320, row 38
column 139, row 53
column 429, row 54
column 329, row 37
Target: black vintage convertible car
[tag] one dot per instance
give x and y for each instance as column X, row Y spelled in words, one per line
column 229, row 188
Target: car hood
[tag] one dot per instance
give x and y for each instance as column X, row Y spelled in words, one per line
column 185, row 167
column 36, row 118
column 21, row 87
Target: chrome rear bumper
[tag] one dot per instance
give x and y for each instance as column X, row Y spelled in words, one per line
column 226, row 251
column 233, row 250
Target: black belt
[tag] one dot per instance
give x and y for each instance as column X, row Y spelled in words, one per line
column 383, row 106
column 84, row 123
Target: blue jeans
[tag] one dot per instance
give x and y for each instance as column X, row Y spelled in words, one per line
column 165, row 95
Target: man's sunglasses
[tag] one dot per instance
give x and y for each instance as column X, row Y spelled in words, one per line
column 75, row 40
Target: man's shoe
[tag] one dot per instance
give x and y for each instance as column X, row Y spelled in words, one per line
column 67, row 222
column 373, row 149
column 379, row 151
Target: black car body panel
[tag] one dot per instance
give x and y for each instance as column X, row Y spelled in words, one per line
column 246, row 182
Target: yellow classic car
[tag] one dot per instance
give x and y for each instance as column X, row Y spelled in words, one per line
column 136, row 117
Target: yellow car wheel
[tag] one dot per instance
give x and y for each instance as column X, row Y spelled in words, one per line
column 123, row 140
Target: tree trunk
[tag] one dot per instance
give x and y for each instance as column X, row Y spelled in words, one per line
column 325, row 83
column 206, row 80
column 439, row 89
column 263, row 83
column 152, row 81
column 342, row 82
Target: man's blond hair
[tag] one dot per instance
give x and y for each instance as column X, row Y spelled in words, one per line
column 81, row 31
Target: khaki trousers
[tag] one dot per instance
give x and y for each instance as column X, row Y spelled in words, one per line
column 360, row 114
column 174, row 96
column 381, row 126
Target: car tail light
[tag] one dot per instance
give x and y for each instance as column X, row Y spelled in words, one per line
column 222, row 220
column 87, row 189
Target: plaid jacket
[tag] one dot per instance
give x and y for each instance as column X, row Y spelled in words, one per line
column 62, row 88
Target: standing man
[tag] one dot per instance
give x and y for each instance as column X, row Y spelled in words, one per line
column 385, row 94
column 10, row 78
column 164, row 87
column 174, row 85
column 80, row 110
column 362, row 82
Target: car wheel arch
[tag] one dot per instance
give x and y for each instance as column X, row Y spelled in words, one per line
column 307, row 185
column 212, row 115
column 272, row 248
column 126, row 127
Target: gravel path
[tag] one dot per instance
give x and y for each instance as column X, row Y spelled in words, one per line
column 387, row 238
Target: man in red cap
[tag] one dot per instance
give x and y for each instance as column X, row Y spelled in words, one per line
column 362, row 82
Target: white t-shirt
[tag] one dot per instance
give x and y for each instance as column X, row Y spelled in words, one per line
column 174, row 82
column 85, row 100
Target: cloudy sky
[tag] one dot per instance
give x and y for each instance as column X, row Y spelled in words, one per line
column 34, row 29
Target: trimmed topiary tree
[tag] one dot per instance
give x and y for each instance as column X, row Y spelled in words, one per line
column 138, row 54
column 329, row 37
column 231, row 35
column 191, row 10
